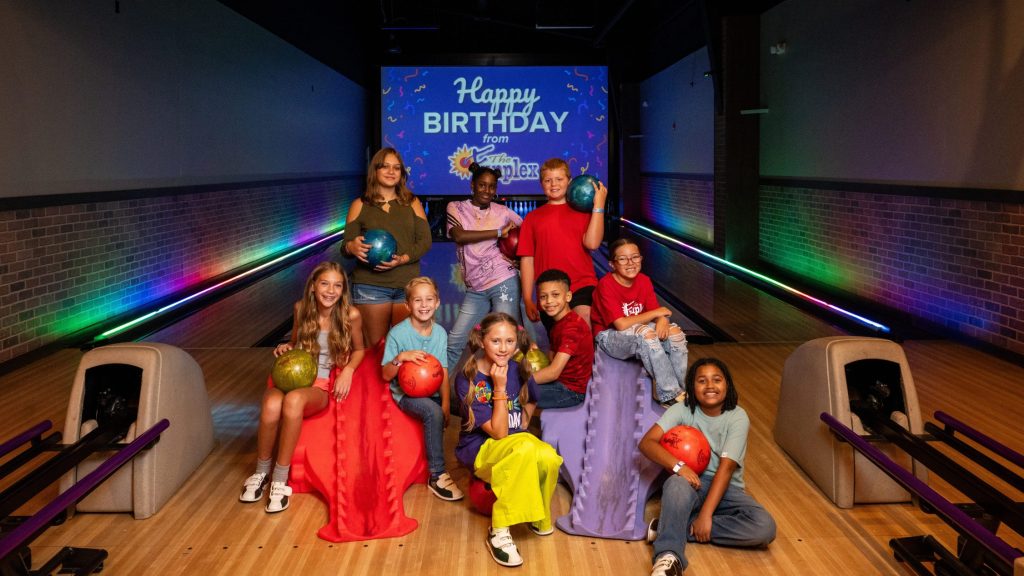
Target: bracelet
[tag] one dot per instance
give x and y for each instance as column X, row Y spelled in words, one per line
column 598, row 210
column 499, row 397
column 499, row 233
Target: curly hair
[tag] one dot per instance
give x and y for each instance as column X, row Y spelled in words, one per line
column 732, row 397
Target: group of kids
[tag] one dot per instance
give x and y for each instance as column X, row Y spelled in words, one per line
column 496, row 395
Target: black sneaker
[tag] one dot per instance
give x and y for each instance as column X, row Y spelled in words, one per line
column 445, row 488
column 667, row 565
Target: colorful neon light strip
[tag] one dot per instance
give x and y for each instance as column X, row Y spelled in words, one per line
column 118, row 329
column 763, row 278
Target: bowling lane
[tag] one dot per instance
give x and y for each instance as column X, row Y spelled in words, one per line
column 745, row 313
column 243, row 318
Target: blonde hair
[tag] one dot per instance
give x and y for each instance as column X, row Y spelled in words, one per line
column 476, row 344
column 421, row 281
column 554, row 164
column 339, row 335
column 372, row 194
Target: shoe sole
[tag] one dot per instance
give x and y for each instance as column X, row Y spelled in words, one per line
column 652, row 533
column 487, row 541
column 540, row 533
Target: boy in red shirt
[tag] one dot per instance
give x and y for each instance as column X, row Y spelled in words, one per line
column 556, row 236
column 628, row 322
column 564, row 381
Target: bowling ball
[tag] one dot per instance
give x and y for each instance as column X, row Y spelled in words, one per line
column 580, row 195
column 536, row 359
column 509, row 243
column 382, row 246
column 421, row 380
column 481, row 495
column 689, row 445
column 293, row 370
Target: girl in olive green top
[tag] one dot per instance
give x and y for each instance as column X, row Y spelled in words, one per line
column 387, row 204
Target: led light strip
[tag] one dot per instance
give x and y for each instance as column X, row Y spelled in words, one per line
column 118, row 329
column 763, row 278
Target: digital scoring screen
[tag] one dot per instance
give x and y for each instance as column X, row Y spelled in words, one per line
column 443, row 118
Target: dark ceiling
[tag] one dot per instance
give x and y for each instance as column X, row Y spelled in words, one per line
column 636, row 38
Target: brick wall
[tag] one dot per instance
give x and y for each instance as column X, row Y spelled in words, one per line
column 955, row 262
column 64, row 267
column 678, row 204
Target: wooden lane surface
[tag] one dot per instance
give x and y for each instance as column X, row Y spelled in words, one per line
column 204, row 527
column 744, row 312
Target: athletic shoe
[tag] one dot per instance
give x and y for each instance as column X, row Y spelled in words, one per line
column 667, row 565
column 252, row 490
column 280, row 493
column 536, row 529
column 503, row 549
column 652, row 530
column 445, row 488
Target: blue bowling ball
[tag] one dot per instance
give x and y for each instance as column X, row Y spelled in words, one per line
column 382, row 246
column 580, row 195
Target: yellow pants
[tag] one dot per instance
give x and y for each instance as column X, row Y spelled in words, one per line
column 523, row 471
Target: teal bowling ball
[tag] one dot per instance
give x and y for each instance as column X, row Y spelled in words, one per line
column 293, row 370
column 580, row 195
column 382, row 246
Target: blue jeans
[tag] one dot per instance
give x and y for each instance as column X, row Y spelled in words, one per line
column 502, row 297
column 428, row 410
column 556, row 395
column 738, row 520
column 664, row 360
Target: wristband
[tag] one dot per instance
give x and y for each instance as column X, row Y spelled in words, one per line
column 499, row 397
column 499, row 233
column 396, row 362
column 598, row 210
column 679, row 466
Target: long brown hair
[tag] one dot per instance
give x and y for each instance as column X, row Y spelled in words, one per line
column 339, row 336
column 372, row 195
column 476, row 344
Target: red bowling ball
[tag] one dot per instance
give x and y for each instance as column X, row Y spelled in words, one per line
column 421, row 380
column 509, row 243
column 481, row 495
column 689, row 445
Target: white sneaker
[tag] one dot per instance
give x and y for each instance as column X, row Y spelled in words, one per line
column 252, row 490
column 280, row 493
column 445, row 488
column 667, row 565
column 652, row 530
column 502, row 548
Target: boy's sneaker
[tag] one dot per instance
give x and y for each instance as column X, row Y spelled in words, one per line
column 280, row 493
column 667, row 565
column 503, row 549
column 252, row 490
column 652, row 530
column 536, row 529
column 445, row 488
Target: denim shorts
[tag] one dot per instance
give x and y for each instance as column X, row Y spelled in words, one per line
column 370, row 294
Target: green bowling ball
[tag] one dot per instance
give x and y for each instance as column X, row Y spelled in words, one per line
column 293, row 370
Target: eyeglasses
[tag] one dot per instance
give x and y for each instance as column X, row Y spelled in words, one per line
column 397, row 167
column 635, row 259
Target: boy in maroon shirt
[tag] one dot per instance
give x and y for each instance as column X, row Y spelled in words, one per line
column 564, row 381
